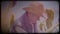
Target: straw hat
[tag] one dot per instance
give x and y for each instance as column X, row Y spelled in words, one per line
column 36, row 8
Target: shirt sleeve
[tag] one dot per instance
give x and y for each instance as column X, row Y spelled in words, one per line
column 16, row 28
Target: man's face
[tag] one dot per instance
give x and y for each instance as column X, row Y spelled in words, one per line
column 32, row 17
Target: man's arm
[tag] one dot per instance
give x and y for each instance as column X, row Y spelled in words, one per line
column 17, row 27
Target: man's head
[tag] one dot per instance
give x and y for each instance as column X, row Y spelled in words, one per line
column 35, row 8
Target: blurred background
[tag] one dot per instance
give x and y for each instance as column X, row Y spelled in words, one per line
column 12, row 10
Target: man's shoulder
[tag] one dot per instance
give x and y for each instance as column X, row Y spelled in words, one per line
column 17, row 22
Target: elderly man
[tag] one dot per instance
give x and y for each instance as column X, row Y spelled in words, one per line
column 27, row 22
